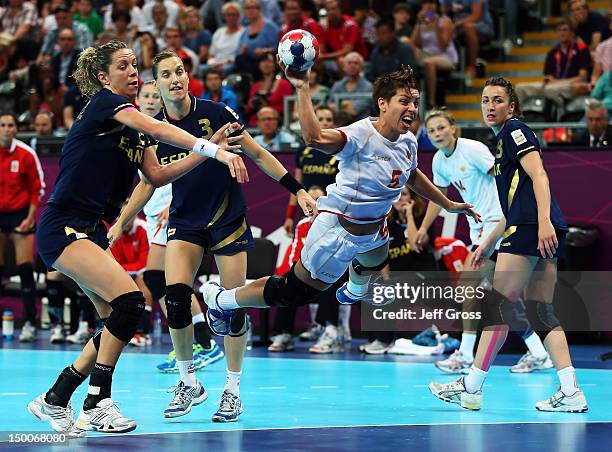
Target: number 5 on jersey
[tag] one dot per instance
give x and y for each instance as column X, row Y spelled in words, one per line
column 395, row 179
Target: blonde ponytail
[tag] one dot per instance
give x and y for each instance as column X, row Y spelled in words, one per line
column 91, row 62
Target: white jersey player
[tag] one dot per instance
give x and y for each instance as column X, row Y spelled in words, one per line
column 377, row 158
column 156, row 212
column 468, row 166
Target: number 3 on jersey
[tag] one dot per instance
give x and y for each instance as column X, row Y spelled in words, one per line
column 395, row 179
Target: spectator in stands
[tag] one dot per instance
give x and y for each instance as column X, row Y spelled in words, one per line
column 272, row 137
column 389, row 54
column 89, row 17
column 74, row 101
column 260, row 36
column 270, row 10
column 195, row 85
column 598, row 133
column 269, row 91
column 195, row 37
column 159, row 22
column 433, row 36
column 64, row 63
column 403, row 21
column 565, row 70
column 22, row 188
column 603, row 60
column 19, row 19
column 225, row 41
column 295, row 19
column 174, row 41
column 120, row 30
column 171, row 9
column 473, row 23
column 137, row 19
column 211, row 14
column 46, row 93
column 43, row 127
column 590, row 26
column 366, row 19
column 603, row 90
column 145, row 48
column 352, row 83
column 215, row 91
column 342, row 36
column 63, row 18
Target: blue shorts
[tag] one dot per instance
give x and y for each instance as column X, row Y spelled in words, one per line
column 523, row 239
column 226, row 239
column 57, row 230
column 10, row 220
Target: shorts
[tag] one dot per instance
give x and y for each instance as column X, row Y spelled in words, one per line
column 57, row 230
column 225, row 239
column 480, row 232
column 10, row 220
column 523, row 239
column 157, row 233
column 329, row 248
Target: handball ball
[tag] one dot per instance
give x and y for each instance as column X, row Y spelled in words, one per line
column 298, row 49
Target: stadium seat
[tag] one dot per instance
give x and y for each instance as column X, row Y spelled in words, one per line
column 574, row 109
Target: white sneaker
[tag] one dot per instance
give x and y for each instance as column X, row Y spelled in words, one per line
column 81, row 335
column 61, row 419
column 282, row 343
column 575, row 403
column 376, row 348
column 328, row 342
column 57, row 334
column 28, row 333
column 105, row 417
column 313, row 333
column 455, row 363
column 455, row 392
column 530, row 363
column 140, row 340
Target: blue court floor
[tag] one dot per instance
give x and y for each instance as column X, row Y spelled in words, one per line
column 298, row 403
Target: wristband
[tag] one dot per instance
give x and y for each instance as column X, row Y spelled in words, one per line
column 289, row 182
column 290, row 212
column 205, row 148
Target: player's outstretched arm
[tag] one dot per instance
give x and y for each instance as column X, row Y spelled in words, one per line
column 424, row 187
column 140, row 196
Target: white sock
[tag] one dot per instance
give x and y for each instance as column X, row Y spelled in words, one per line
column 232, row 382
column 344, row 315
column 468, row 340
column 358, row 290
column 198, row 318
column 534, row 343
column 474, row 379
column 187, row 372
column 567, row 377
column 227, row 300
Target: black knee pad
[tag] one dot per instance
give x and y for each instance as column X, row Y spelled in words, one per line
column 178, row 305
column 156, row 282
column 26, row 276
column 98, row 336
column 361, row 269
column 286, row 291
column 127, row 309
column 542, row 316
column 240, row 324
column 499, row 310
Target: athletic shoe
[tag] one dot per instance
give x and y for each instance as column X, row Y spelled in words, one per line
column 219, row 320
column 230, row 408
column 28, row 333
column 530, row 363
column 454, row 364
column 376, row 348
column 455, row 392
column 184, row 398
column 346, row 334
column 169, row 366
column 344, row 296
column 282, row 343
column 328, row 342
column 203, row 357
column 81, row 335
column 57, row 334
column 105, row 417
column 141, row 340
column 575, row 403
column 61, row 419
column 313, row 333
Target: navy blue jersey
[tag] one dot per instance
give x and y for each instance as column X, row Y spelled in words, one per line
column 514, row 186
column 207, row 195
column 100, row 156
column 317, row 167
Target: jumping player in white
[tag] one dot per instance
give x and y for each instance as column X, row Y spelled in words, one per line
column 378, row 157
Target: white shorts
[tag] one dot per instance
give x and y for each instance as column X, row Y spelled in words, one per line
column 329, row 248
column 157, row 233
column 479, row 233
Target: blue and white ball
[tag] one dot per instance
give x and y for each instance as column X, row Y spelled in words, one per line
column 298, row 49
